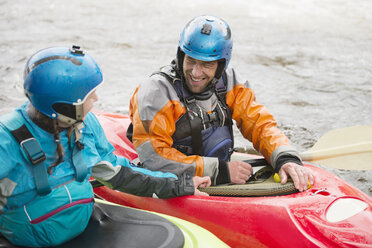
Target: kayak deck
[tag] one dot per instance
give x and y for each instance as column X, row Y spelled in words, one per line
column 295, row 220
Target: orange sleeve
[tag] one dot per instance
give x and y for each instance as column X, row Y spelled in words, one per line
column 254, row 121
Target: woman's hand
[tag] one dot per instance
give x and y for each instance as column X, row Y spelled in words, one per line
column 201, row 182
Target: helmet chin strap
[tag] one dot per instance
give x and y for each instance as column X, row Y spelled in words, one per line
column 77, row 124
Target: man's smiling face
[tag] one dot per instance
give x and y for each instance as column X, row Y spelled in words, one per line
column 198, row 73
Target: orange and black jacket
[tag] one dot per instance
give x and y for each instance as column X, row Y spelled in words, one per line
column 155, row 108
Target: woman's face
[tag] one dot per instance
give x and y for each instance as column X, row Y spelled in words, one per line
column 87, row 106
column 89, row 102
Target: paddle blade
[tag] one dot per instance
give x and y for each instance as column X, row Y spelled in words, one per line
column 346, row 148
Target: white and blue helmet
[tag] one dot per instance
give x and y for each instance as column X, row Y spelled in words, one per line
column 58, row 80
column 206, row 38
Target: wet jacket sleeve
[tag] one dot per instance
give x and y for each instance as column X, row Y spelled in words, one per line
column 154, row 110
column 256, row 123
column 118, row 173
column 143, row 182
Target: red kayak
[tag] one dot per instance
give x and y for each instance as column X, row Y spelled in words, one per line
column 330, row 214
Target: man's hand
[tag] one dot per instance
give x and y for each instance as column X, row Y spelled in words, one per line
column 239, row 172
column 201, row 182
column 300, row 175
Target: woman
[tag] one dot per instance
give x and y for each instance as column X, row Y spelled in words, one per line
column 50, row 147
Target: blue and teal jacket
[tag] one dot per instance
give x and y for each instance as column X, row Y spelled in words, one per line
column 65, row 211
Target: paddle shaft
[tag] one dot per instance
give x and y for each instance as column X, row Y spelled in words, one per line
column 345, row 150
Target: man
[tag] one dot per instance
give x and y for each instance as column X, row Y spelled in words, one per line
column 182, row 115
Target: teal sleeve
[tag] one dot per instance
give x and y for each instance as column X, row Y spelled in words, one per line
column 103, row 146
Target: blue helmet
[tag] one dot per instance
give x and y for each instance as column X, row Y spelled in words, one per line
column 206, row 38
column 58, row 80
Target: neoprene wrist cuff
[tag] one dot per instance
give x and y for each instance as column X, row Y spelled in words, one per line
column 223, row 173
column 282, row 160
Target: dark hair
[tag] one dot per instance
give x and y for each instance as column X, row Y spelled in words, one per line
column 51, row 126
column 60, row 152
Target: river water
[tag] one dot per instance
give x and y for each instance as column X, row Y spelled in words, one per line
column 310, row 62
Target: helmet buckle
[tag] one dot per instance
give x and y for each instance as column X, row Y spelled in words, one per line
column 190, row 99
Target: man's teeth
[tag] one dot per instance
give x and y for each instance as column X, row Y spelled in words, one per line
column 196, row 80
